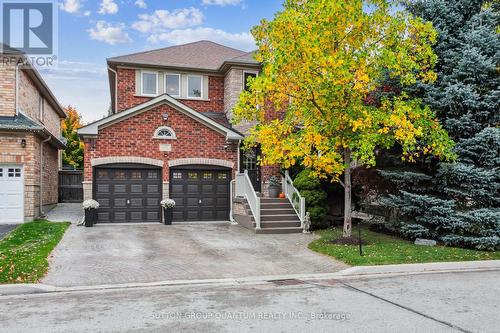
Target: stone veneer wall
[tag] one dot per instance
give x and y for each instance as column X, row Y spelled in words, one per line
column 233, row 86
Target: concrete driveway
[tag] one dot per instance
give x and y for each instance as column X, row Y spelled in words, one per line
column 115, row 254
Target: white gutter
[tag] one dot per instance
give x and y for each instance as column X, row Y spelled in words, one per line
column 41, row 175
column 116, row 88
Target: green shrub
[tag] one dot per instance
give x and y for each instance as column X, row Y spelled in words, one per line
column 316, row 203
column 306, row 181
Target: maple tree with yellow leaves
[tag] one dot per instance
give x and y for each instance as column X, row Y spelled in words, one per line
column 320, row 60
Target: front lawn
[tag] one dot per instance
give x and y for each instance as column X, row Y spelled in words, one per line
column 24, row 252
column 383, row 249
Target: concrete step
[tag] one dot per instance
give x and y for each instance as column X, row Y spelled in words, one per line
column 277, row 217
column 280, row 217
column 286, row 230
column 277, row 211
column 279, row 224
column 273, row 200
column 264, row 205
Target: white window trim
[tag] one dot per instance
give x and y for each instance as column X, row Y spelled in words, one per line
column 187, row 87
column 243, row 83
column 172, row 137
column 142, row 83
column 180, row 83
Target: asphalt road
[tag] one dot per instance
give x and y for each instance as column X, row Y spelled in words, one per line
column 439, row 302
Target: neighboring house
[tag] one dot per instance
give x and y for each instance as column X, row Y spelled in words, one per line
column 169, row 135
column 30, row 139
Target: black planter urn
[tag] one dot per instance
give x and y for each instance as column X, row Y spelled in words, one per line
column 90, row 217
column 168, row 215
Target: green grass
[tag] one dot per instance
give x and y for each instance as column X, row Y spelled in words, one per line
column 383, row 249
column 24, row 252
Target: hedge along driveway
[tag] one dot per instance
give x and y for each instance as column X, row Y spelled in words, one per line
column 24, row 252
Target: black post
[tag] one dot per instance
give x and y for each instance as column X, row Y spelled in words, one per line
column 359, row 238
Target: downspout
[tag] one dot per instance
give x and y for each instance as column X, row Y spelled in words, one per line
column 116, row 88
column 41, row 175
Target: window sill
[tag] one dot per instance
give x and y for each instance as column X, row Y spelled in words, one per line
column 179, row 98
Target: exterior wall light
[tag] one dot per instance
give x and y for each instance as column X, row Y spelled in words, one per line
column 23, row 143
column 165, row 116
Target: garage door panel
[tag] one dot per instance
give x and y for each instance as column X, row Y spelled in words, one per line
column 191, row 202
column 207, row 201
column 200, row 195
column 136, row 188
column 153, row 188
column 222, row 189
column 11, row 194
column 102, row 188
column 120, row 216
column 119, row 203
column 128, row 194
column 102, row 216
column 192, row 189
column 136, row 202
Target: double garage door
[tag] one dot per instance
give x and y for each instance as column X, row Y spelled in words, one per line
column 132, row 193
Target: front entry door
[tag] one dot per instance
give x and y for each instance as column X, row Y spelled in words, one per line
column 249, row 162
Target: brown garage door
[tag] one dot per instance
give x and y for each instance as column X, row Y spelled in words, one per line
column 201, row 193
column 128, row 193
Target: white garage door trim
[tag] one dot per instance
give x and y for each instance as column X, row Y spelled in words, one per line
column 11, row 194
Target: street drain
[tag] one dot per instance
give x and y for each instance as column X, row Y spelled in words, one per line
column 286, row 282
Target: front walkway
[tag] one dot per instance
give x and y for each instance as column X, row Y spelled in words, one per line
column 114, row 254
column 66, row 212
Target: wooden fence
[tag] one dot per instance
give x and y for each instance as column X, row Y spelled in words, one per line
column 70, row 186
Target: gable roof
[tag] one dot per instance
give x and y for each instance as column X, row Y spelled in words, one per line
column 35, row 76
column 93, row 128
column 204, row 55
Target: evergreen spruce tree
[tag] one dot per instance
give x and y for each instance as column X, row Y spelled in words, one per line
column 459, row 203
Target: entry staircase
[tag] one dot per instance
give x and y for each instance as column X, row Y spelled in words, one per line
column 272, row 215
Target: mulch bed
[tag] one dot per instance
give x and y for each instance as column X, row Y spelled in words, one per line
column 347, row 241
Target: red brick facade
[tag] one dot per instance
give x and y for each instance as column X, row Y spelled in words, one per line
column 134, row 137
column 128, row 98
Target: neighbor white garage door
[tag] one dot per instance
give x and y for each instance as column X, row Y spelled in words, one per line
column 11, row 194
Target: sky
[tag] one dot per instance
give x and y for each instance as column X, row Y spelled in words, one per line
column 92, row 30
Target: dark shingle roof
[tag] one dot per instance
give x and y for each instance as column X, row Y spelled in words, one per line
column 19, row 122
column 198, row 55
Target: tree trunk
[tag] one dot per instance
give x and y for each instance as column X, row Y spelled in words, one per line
column 347, row 195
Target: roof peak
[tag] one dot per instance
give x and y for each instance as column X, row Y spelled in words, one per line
column 178, row 46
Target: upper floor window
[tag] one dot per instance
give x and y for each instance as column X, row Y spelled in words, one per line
column 173, row 84
column 246, row 76
column 41, row 108
column 149, row 83
column 194, row 86
column 164, row 132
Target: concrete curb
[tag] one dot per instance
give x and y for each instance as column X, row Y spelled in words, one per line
column 349, row 273
column 422, row 268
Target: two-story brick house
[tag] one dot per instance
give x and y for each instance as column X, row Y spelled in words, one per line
column 169, row 135
column 30, row 140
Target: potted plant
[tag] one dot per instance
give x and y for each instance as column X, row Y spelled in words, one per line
column 168, row 210
column 274, row 187
column 90, row 206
